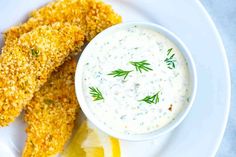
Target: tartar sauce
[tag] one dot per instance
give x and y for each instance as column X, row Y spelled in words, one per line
column 131, row 97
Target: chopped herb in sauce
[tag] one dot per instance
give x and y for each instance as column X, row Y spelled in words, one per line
column 188, row 99
column 120, row 73
column 154, row 99
column 96, row 94
column 34, row 52
column 169, row 51
column 170, row 61
column 141, row 65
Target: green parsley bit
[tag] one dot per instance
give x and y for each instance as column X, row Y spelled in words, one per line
column 35, row 52
column 48, row 101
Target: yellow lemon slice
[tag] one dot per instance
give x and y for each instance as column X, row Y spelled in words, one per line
column 88, row 141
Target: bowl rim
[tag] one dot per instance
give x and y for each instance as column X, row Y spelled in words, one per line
column 163, row 130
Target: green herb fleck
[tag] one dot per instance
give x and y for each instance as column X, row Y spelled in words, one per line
column 32, row 143
column 119, row 73
column 96, row 94
column 170, row 61
column 169, row 51
column 141, row 65
column 151, row 99
column 48, row 101
column 188, row 99
column 35, row 52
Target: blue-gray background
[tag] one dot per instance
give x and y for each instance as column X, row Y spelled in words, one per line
column 223, row 12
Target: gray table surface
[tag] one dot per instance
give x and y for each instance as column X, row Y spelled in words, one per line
column 223, row 13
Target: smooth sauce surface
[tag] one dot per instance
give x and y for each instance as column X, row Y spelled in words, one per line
column 122, row 108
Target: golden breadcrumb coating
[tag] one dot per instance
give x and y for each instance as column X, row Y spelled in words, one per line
column 99, row 16
column 26, row 64
column 51, row 114
column 92, row 16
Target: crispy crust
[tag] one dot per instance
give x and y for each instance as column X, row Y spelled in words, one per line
column 92, row 16
column 51, row 114
column 26, row 63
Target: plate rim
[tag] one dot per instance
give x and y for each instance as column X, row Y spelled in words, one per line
column 228, row 76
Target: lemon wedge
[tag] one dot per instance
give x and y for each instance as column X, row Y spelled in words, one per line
column 88, row 141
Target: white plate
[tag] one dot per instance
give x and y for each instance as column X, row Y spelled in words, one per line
column 201, row 132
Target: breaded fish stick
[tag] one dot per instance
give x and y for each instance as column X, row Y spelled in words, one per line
column 26, row 64
column 92, row 16
column 51, row 114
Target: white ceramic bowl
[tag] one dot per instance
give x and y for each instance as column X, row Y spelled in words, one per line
column 137, row 137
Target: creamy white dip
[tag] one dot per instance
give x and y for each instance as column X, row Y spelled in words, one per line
column 121, row 108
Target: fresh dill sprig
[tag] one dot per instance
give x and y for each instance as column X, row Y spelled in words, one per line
column 154, row 99
column 170, row 61
column 119, row 73
column 141, row 65
column 96, row 94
